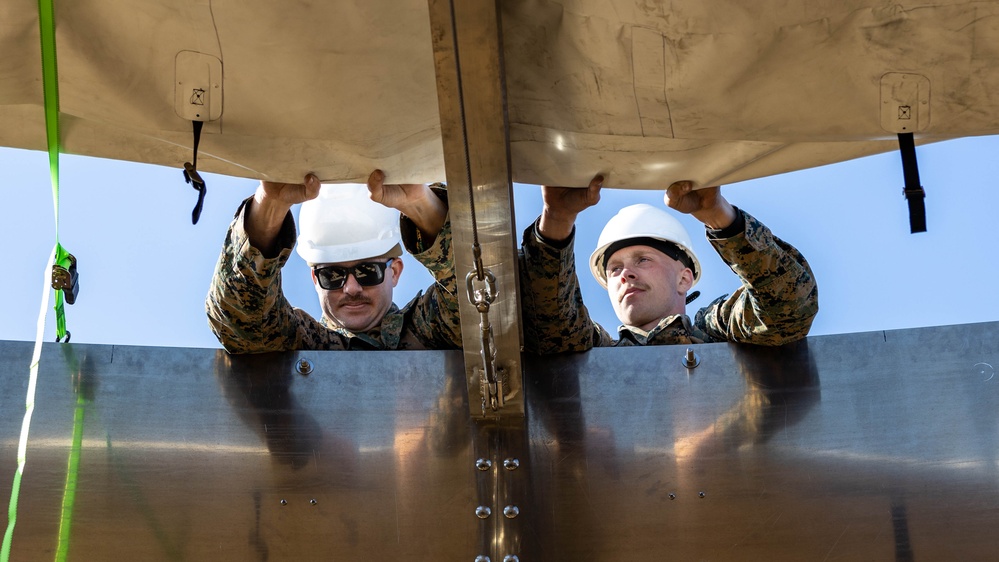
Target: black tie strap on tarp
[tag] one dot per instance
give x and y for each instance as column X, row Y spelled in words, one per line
column 913, row 191
column 192, row 176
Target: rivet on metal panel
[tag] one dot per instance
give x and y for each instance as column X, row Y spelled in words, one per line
column 284, row 502
column 304, row 366
column 511, row 464
column 313, row 501
column 511, row 511
column 483, row 464
column 482, row 558
column 690, row 359
column 700, row 494
column 672, row 496
column 483, row 512
column 511, row 558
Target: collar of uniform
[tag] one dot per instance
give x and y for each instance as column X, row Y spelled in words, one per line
column 385, row 336
column 641, row 337
column 635, row 335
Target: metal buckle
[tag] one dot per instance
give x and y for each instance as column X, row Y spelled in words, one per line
column 67, row 280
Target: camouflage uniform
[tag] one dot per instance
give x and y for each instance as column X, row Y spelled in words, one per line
column 775, row 305
column 248, row 312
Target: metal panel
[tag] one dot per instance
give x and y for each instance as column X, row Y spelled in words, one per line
column 863, row 446
column 472, row 98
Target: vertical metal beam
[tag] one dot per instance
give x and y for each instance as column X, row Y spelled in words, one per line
column 504, row 504
column 472, row 98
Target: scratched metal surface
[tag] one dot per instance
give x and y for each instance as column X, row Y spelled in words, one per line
column 863, row 446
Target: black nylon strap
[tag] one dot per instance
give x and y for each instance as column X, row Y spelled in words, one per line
column 192, row 176
column 913, row 191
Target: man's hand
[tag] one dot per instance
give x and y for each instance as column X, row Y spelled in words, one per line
column 563, row 204
column 400, row 196
column 706, row 205
column 287, row 194
column 415, row 200
column 270, row 206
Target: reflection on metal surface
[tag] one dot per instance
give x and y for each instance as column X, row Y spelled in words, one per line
column 84, row 385
column 893, row 452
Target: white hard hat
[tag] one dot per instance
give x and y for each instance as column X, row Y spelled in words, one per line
column 343, row 224
column 643, row 225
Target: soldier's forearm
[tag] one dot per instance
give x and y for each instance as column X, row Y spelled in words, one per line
column 428, row 214
column 262, row 223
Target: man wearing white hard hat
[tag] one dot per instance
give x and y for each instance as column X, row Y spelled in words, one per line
column 352, row 238
column 645, row 260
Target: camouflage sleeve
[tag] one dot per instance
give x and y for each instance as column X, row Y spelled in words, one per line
column 247, row 310
column 555, row 318
column 436, row 321
column 778, row 299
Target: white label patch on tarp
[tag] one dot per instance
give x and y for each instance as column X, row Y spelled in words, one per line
column 198, row 87
column 905, row 102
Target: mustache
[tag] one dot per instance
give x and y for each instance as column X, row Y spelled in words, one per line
column 354, row 299
column 626, row 287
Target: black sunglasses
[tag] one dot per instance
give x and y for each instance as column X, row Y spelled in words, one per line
column 367, row 274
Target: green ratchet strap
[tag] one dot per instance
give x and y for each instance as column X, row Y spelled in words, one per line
column 29, row 408
column 63, row 275
column 83, row 388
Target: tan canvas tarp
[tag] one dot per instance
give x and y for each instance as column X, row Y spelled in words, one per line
column 649, row 92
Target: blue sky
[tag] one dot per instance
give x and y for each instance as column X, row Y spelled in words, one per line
column 145, row 269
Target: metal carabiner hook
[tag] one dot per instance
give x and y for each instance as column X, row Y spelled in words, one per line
column 487, row 294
